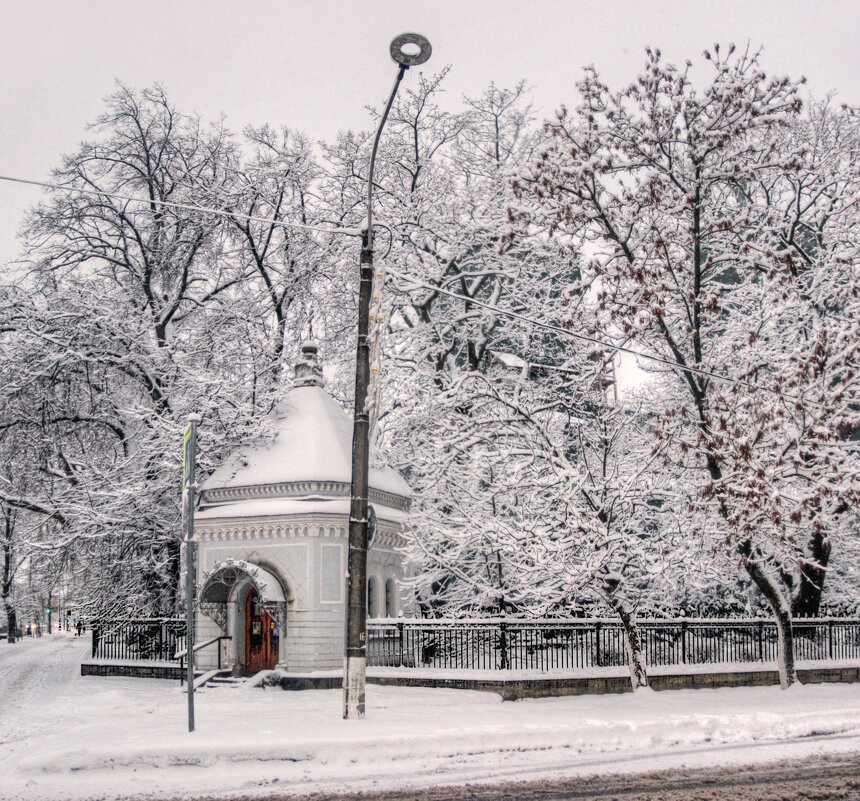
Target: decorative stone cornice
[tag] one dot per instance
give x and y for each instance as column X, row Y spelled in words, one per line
column 281, row 529
column 296, row 489
column 388, row 539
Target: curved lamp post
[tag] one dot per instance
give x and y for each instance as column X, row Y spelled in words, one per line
column 355, row 657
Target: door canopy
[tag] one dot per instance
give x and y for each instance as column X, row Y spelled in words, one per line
column 218, row 582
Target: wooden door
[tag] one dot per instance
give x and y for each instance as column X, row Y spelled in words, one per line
column 261, row 644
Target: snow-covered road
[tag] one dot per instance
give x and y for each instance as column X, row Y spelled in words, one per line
column 34, row 673
column 65, row 736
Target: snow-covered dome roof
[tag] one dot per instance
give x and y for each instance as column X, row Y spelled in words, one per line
column 311, row 453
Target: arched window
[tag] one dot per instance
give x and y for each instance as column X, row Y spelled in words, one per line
column 391, row 598
column 372, row 597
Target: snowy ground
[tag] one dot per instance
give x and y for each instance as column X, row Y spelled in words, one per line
column 63, row 736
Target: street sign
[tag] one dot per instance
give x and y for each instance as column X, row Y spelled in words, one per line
column 187, row 477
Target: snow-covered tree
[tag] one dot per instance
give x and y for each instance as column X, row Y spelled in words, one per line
column 453, row 402
column 119, row 327
column 577, row 517
column 444, row 194
column 275, row 183
column 722, row 244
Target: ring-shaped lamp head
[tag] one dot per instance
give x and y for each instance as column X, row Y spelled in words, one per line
column 404, row 59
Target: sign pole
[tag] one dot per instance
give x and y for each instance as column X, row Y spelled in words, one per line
column 189, row 465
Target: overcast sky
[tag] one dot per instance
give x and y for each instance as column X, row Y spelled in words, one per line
column 315, row 64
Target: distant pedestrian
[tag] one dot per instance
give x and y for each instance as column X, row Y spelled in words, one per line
column 79, row 627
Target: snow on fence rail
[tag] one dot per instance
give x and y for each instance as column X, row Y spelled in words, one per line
column 541, row 645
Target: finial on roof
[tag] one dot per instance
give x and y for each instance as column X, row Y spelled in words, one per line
column 307, row 370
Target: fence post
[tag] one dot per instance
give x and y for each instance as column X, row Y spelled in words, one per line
column 503, row 645
column 400, row 641
column 598, row 653
column 830, row 639
column 761, row 641
column 684, row 642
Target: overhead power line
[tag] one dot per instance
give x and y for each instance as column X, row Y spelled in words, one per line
column 595, row 341
column 185, row 206
column 418, row 283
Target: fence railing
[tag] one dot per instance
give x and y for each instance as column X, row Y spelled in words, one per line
column 139, row 640
column 540, row 645
column 588, row 643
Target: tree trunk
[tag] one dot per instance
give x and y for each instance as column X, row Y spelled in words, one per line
column 277, row 349
column 807, row 602
column 632, row 638
column 6, row 578
column 782, row 614
column 11, row 622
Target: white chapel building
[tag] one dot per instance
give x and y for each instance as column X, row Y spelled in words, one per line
column 272, row 533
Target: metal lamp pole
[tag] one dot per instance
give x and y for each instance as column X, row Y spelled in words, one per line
column 189, row 467
column 355, row 656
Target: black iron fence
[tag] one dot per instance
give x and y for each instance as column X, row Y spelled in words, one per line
column 540, row 645
column 544, row 645
column 139, row 640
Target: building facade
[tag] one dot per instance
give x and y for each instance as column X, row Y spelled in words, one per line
column 272, row 533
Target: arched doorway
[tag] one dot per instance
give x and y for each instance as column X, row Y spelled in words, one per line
column 262, row 635
column 249, row 605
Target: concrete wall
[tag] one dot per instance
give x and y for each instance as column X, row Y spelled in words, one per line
column 315, row 640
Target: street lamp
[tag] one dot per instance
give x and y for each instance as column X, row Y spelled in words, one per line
column 355, row 656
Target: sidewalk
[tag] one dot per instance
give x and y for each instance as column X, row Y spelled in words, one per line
column 109, row 737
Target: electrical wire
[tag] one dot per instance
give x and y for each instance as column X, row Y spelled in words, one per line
column 418, row 283
column 184, row 206
column 595, row 341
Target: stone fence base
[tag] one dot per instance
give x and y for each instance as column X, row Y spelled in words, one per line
column 509, row 687
column 140, row 670
column 512, row 689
